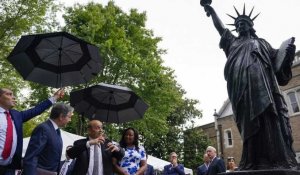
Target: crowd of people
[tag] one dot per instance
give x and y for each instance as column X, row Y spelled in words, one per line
column 212, row 165
column 93, row 155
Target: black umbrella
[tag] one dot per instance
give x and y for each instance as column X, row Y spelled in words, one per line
column 55, row 59
column 108, row 103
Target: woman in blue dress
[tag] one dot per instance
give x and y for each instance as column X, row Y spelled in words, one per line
column 134, row 161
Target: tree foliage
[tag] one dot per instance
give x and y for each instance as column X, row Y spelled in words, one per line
column 132, row 58
column 20, row 17
column 195, row 144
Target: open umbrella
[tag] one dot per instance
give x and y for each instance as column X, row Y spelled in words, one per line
column 55, row 59
column 108, row 103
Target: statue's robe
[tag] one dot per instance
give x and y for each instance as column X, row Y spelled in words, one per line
column 259, row 108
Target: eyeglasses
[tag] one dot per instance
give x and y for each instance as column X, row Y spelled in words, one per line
column 95, row 127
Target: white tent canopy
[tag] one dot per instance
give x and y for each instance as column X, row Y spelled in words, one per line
column 69, row 138
column 159, row 164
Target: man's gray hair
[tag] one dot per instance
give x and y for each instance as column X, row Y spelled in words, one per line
column 2, row 91
column 172, row 154
column 211, row 148
column 60, row 108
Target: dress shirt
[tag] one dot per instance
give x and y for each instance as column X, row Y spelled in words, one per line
column 65, row 166
column 212, row 159
column 3, row 124
column 52, row 99
column 3, row 128
column 91, row 161
column 54, row 124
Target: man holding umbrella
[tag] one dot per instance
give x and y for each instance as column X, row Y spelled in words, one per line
column 11, row 129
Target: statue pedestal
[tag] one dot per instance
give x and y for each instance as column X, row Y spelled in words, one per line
column 264, row 172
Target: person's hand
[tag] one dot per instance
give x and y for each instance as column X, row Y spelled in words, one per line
column 98, row 140
column 59, row 94
column 174, row 162
column 111, row 147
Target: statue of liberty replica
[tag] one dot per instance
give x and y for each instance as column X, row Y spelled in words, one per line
column 253, row 71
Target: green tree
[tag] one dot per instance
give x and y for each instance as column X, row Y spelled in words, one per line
column 195, row 144
column 132, row 58
column 173, row 141
column 20, row 17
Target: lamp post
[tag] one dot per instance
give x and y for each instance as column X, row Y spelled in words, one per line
column 218, row 129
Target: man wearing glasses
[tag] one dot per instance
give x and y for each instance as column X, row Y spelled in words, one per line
column 94, row 153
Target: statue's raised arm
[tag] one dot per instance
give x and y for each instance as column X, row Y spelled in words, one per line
column 211, row 12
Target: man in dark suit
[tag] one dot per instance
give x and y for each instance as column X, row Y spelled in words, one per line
column 149, row 170
column 95, row 152
column 45, row 146
column 67, row 166
column 202, row 169
column 12, row 129
column 216, row 165
column 174, row 168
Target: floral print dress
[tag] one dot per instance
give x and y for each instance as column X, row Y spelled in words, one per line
column 132, row 158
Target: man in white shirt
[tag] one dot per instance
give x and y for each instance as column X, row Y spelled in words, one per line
column 94, row 153
column 11, row 130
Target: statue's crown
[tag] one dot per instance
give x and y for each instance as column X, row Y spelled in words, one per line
column 243, row 17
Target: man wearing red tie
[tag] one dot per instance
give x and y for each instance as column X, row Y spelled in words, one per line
column 11, row 129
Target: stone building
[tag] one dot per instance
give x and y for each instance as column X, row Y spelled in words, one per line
column 225, row 135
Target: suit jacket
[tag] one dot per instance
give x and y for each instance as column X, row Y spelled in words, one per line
column 19, row 117
column 169, row 170
column 44, row 149
column 70, row 166
column 216, row 166
column 82, row 155
column 150, row 170
column 202, row 169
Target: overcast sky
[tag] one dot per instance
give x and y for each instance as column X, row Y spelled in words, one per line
column 193, row 43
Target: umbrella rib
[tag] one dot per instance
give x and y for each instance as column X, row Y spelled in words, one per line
column 72, row 50
column 115, row 102
column 77, row 52
column 103, row 97
column 68, row 56
column 51, row 42
column 59, row 61
column 83, row 75
column 121, row 97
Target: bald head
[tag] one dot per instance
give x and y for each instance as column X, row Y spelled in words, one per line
column 95, row 128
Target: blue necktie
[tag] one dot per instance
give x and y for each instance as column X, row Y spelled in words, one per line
column 58, row 131
column 59, row 136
